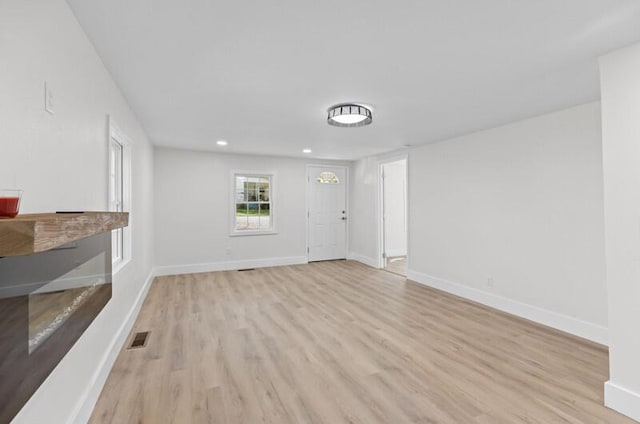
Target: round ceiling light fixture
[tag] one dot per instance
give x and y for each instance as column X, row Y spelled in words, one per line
column 349, row 115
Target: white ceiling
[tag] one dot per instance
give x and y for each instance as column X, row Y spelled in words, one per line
column 261, row 74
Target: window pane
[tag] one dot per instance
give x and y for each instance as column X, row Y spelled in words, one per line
column 115, row 176
column 328, row 177
column 252, row 216
column 263, row 190
column 240, row 182
column 252, row 203
column 116, row 245
column 241, row 216
column 253, row 191
column 116, row 195
column 264, row 222
column 241, row 195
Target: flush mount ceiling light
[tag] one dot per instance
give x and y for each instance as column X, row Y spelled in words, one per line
column 221, row 143
column 349, row 115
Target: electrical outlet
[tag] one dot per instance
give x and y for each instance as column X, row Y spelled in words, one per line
column 490, row 282
column 48, row 98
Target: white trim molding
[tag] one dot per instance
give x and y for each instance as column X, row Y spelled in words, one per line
column 364, row 259
column 117, row 135
column 273, row 206
column 84, row 407
column 380, row 242
column 347, row 197
column 586, row 330
column 622, row 400
column 229, row 265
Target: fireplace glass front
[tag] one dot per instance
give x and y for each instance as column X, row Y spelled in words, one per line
column 47, row 300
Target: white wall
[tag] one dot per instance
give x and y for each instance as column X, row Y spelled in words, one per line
column 363, row 205
column 365, row 240
column 193, row 208
column 394, row 198
column 620, row 85
column 521, row 204
column 60, row 161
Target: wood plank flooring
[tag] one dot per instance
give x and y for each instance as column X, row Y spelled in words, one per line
column 397, row 265
column 339, row 342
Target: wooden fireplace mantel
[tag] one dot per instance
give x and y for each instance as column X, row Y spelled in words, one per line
column 33, row 233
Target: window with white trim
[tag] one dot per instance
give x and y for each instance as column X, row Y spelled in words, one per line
column 119, row 194
column 252, row 204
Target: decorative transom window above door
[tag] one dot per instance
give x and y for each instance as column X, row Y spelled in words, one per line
column 328, row 177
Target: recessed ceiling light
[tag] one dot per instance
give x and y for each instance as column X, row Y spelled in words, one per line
column 349, row 115
column 221, row 143
column 307, row 151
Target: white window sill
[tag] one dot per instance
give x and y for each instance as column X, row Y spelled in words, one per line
column 252, row 233
column 119, row 266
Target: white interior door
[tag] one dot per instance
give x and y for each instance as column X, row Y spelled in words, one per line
column 327, row 213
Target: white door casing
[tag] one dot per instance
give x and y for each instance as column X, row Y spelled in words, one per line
column 327, row 204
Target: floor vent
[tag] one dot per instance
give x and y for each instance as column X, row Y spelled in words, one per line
column 246, row 269
column 139, row 340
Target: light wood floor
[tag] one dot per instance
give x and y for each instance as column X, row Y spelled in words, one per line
column 397, row 265
column 338, row 342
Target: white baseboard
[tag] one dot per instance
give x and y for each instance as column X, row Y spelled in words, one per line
column 364, row 259
column 622, row 400
column 229, row 265
column 84, row 406
column 577, row 327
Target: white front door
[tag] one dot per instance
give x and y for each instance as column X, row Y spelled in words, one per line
column 327, row 212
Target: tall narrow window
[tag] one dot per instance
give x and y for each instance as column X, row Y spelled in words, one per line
column 119, row 193
column 252, row 204
column 116, row 200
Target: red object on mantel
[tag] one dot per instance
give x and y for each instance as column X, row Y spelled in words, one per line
column 9, row 207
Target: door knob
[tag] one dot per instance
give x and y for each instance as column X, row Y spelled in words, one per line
column 344, row 218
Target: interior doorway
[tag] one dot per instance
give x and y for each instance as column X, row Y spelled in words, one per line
column 393, row 183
